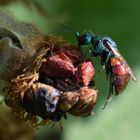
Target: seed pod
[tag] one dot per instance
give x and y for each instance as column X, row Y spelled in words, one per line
column 85, row 73
column 78, row 103
column 86, row 102
column 41, row 100
column 58, row 66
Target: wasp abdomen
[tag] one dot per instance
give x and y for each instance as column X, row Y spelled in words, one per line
column 120, row 73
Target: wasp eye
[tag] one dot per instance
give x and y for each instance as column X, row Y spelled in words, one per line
column 105, row 42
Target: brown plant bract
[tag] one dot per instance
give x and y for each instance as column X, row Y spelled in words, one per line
column 80, row 102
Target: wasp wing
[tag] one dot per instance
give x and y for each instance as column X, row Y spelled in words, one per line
column 116, row 53
column 128, row 68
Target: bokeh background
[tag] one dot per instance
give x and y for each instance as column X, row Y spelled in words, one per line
column 118, row 19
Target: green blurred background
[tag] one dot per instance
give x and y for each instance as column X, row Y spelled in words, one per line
column 117, row 19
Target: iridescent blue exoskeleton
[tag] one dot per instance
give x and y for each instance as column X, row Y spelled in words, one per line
column 100, row 46
column 106, row 49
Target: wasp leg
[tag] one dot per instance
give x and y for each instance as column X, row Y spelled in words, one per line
column 92, row 53
column 102, row 69
column 109, row 97
column 104, row 63
column 61, row 126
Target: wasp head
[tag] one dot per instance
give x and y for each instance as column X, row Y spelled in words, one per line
column 85, row 38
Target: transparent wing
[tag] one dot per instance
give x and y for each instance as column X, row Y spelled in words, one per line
column 128, row 68
column 117, row 54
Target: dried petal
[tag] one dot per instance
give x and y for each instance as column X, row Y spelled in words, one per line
column 85, row 73
column 58, row 66
column 74, row 54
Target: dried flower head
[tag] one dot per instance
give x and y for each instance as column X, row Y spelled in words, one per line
column 51, row 86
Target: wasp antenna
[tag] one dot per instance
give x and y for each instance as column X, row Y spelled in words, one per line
column 62, row 28
column 53, row 32
column 77, row 34
column 68, row 27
